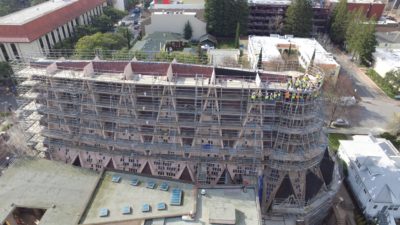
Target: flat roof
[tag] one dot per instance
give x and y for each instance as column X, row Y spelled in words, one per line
column 270, row 2
column 31, row 13
column 305, row 46
column 42, row 184
column 114, row 196
column 223, row 200
column 378, row 165
column 391, row 57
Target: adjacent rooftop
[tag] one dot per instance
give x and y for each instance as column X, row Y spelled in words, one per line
column 56, row 193
column 305, row 46
column 378, row 163
column 31, row 13
column 60, row 189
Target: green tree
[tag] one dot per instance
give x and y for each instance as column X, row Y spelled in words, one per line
column 393, row 77
column 130, row 4
column 35, row 2
column 224, row 24
column 360, row 37
column 127, row 35
column 259, row 63
column 102, row 23
column 237, row 35
column 187, row 31
column 83, row 30
column 114, row 14
column 299, row 18
column 6, row 73
column 123, row 54
column 99, row 43
column 339, row 22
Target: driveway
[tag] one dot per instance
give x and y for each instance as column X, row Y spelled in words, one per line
column 375, row 111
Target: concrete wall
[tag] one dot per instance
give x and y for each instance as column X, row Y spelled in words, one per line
column 175, row 23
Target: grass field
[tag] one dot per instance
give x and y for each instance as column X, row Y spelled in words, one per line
column 333, row 141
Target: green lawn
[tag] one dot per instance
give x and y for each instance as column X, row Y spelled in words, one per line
column 333, row 141
column 226, row 43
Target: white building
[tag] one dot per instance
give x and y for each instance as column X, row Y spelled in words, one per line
column 119, row 4
column 174, row 22
column 34, row 31
column 273, row 47
column 386, row 59
column 374, row 174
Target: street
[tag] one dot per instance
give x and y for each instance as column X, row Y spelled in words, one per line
column 375, row 110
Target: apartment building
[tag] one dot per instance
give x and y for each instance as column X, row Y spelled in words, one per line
column 37, row 29
column 267, row 17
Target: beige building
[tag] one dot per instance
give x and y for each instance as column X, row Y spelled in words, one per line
column 174, row 21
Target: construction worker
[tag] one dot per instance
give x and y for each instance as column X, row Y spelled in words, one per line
column 289, row 83
column 260, row 95
column 297, row 83
column 287, row 95
column 253, row 96
column 266, row 96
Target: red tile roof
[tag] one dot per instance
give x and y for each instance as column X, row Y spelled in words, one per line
column 184, row 70
column 38, row 27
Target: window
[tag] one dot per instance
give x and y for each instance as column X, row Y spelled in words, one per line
column 58, row 34
column 15, row 50
column 48, row 41
column 41, row 44
column 63, row 31
column 4, row 51
column 375, row 206
column 69, row 29
column 53, row 37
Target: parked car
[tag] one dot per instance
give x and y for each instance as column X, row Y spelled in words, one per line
column 341, row 123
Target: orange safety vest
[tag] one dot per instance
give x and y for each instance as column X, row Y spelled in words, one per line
column 287, row 95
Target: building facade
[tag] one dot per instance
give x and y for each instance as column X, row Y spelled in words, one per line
column 35, row 30
column 373, row 174
column 161, row 21
column 196, row 123
column 288, row 53
column 267, row 17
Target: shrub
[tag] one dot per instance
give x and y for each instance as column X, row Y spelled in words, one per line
column 382, row 84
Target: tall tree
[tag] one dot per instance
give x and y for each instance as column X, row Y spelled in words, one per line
column 103, row 23
column 299, row 18
column 259, row 63
column 237, row 35
column 222, row 16
column 187, row 31
column 87, row 45
column 339, row 22
column 127, row 35
column 360, row 37
column 114, row 14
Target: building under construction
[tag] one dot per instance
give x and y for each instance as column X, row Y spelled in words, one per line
column 195, row 123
